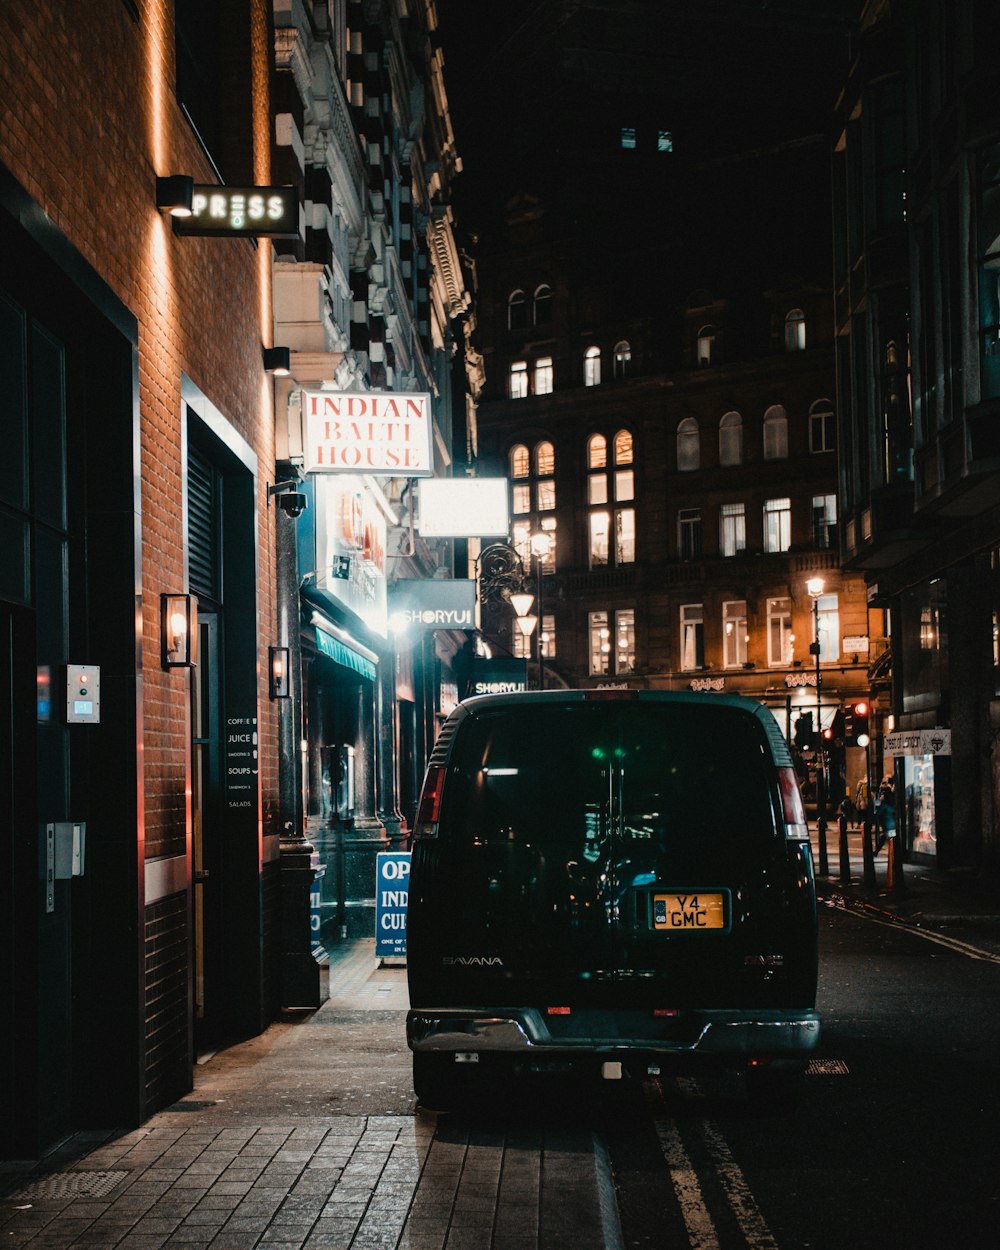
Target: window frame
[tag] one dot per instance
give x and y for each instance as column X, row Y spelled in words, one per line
column 692, row 618
column 730, row 439
column 735, row 640
column 785, row 637
column 784, row 524
column 776, row 422
column 689, row 431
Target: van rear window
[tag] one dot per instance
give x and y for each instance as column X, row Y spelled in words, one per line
column 569, row 777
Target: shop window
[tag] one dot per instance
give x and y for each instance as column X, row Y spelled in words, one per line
column 776, row 433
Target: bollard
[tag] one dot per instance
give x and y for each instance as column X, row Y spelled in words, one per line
column 894, row 867
column 845, row 854
column 868, row 855
column 824, row 864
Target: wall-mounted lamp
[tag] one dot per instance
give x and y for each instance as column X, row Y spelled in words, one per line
column 175, row 195
column 178, row 631
column 278, row 681
column 278, row 360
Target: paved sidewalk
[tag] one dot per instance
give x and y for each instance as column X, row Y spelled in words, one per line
column 308, row 1136
column 930, row 897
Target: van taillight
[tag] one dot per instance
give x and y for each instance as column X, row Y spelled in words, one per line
column 791, row 804
column 430, row 803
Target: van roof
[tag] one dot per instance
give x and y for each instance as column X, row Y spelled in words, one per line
column 779, row 747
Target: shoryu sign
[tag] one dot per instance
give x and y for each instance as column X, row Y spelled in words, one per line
column 368, row 432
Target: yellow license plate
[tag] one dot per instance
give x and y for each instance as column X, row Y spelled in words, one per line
column 688, row 912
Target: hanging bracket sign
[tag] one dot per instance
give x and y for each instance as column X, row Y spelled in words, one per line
column 378, row 432
column 265, row 212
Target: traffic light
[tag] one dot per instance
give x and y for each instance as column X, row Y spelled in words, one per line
column 860, row 711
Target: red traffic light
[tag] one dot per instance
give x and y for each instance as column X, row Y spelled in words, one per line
column 860, row 708
column 827, row 733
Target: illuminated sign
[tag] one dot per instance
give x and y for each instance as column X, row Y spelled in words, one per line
column 432, row 603
column 375, row 432
column 271, row 212
column 463, row 507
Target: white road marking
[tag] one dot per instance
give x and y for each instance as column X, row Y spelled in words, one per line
column 961, row 948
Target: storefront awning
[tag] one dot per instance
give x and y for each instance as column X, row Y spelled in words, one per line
column 344, row 655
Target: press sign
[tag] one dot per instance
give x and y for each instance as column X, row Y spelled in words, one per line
column 392, row 888
column 271, row 212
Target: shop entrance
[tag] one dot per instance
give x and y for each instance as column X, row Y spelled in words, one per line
column 206, row 821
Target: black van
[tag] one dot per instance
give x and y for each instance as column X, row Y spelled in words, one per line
column 610, row 877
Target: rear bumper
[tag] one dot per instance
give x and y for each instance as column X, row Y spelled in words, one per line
column 710, row 1032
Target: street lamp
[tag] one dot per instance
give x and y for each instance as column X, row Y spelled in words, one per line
column 501, row 576
column 541, row 545
column 815, row 588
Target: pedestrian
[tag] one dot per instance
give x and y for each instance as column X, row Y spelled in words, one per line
column 862, row 800
column 885, row 813
column 848, row 812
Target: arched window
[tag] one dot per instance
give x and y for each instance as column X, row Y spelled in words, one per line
column 622, row 354
column 623, row 447
column 533, row 499
column 775, row 433
column 592, row 366
column 520, row 461
column 731, row 439
column 543, row 305
column 795, row 331
column 517, row 311
column 706, row 346
column 545, row 459
column 624, row 476
column 688, row 445
column 822, row 426
column 520, row 487
column 597, row 451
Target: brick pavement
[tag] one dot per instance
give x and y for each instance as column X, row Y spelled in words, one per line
column 308, row 1137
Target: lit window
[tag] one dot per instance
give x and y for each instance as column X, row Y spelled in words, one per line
column 520, row 644
column 547, row 524
column 734, row 633
column 592, row 366
column 689, row 533
column 795, row 331
column 777, row 525
column 600, row 644
column 597, row 451
column 628, row 137
column 624, row 478
column 692, row 636
column 624, row 535
column 600, row 523
column 521, row 499
column 546, row 495
column 780, row 640
column 775, row 433
column 597, row 488
column 543, row 375
column 520, row 461
column 732, row 528
column 822, row 426
column 828, row 623
column 622, row 356
column 545, row 459
column 623, row 447
column 517, row 311
column 625, row 640
column 543, row 305
column 688, row 445
column 545, row 486
column 706, row 345
column 519, row 379
column 548, row 636
column 664, row 141
column 731, row 439
column 824, row 520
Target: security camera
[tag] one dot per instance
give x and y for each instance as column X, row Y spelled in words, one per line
column 293, row 502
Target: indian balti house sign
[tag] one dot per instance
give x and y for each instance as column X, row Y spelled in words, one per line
column 388, row 435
